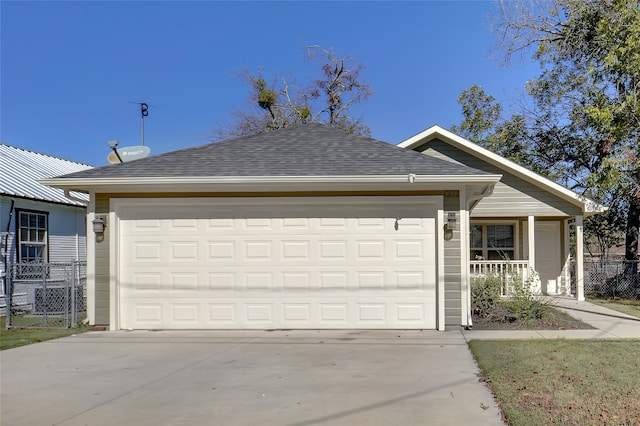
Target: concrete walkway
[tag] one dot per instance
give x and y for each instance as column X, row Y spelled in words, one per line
column 607, row 323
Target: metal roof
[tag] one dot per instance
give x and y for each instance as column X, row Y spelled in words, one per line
column 20, row 170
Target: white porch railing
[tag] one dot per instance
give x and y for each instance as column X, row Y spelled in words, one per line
column 508, row 270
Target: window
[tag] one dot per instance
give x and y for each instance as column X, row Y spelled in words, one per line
column 493, row 241
column 32, row 237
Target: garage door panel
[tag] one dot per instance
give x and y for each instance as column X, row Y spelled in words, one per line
column 278, row 266
column 186, row 315
column 256, row 312
column 222, row 314
column 220, row 281
column 184, row 281
column 279, row 278
column 285, row 226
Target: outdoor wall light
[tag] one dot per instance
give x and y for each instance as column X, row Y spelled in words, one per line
column 450, row 225
column 99, row 224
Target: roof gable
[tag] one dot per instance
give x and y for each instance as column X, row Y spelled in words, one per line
column 306, row 150
column 436, row 132
column 21, row 169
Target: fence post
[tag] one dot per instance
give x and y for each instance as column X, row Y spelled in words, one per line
column 8, row 299
column 45, row 296
column 67, row 296
column 74, row 301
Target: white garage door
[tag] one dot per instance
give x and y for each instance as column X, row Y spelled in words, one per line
column 356, row 262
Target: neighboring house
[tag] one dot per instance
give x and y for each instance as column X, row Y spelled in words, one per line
column 38, row 224
column 306, row 227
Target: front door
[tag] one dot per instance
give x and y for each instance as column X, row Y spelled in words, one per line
column 548, row 264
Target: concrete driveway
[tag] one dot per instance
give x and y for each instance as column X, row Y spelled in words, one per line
column 246, row 378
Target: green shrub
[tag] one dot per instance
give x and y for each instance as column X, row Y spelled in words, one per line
column 485, row 293
column 524, row 303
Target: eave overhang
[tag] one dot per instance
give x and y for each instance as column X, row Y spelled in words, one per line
column 193, row 184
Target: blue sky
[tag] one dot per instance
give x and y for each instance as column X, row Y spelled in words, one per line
column 70, row 70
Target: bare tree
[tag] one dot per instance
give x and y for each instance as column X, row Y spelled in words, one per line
column 329, row 99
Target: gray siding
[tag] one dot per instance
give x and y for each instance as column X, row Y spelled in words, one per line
column 452, row 265
column 512, row 196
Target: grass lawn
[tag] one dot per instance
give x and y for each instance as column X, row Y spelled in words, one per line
column 572, row 382
column 629, row 307
column 15, row 337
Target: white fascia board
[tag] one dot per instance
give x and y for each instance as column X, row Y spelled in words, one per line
column 265, row 183
column 588, row 205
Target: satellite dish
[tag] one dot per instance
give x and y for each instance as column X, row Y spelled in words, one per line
column 129, row 153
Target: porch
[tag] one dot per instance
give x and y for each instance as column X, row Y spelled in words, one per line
column 545, row 253
column 510, row 273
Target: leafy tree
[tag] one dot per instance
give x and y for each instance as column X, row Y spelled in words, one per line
column 328, row 99
column 584, row 127
column 484, row 124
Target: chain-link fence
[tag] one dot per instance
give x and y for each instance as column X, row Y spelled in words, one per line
column 612, row 279
column 46, row 295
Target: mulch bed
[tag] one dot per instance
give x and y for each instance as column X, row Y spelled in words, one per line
column 500, row 318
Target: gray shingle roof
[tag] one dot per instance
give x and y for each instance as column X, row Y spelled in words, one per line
column 20, row 170
column 306, row 150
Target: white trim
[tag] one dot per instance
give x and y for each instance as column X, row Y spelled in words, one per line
column 271, row 183
column 440, row 305
column 566, row 264
column 91, row 261
column 114, row 277
column 587, row 205
column 531, row 241
column 69, row 182
column 579, row 259
column 465, row 278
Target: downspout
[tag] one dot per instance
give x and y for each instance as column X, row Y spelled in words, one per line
column 6, row 248
column 471, row 203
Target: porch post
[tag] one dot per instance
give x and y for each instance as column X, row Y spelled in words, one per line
column 465, row 279
column 531, row 241
column 566, row 263
column 579, row 259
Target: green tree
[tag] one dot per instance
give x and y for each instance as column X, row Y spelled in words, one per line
column 484, row 124
column 328, row 99
column 584, row 127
